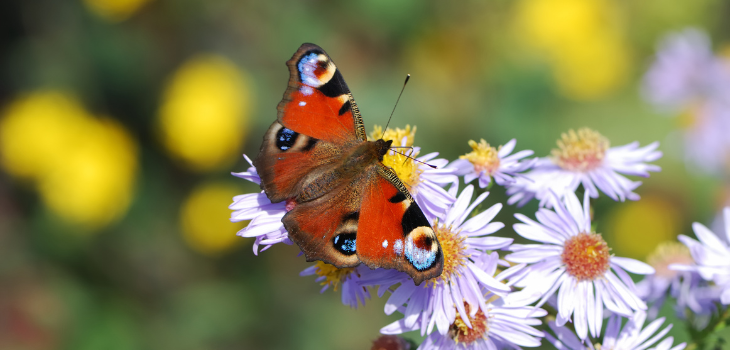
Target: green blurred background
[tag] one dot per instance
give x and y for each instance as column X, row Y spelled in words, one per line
column 121, row 121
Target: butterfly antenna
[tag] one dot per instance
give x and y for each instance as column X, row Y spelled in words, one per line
column 414, row 159
column 408, row 76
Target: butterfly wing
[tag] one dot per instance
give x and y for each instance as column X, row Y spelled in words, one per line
column 396, row 233
column 374, row 220
column 326, row 228
column 317, row 122
column 317, row 102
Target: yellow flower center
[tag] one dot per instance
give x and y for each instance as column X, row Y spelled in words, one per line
column 461, row 333
column 483, row 157
column 454, row 249
column 333, row 276
column 403, row 166
column 586, row 256
column 668, row 253
column 581, row 151
column 396, row 135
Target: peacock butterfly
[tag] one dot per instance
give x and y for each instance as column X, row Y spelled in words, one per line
column 346, row 206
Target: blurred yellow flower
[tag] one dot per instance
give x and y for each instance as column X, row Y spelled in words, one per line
column 204, row 218
column 582, row 40
column 204, row 113
column 95, row 185
column 639, row 227
column 114, row 10
column 83, row 167
column 37, row 130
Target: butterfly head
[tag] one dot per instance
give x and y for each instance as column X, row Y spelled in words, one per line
column 382, row 146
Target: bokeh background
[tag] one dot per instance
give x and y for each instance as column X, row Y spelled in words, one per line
column 121, row 120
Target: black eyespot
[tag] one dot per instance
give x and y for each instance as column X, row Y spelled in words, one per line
column 285, row 138
column 345, row 243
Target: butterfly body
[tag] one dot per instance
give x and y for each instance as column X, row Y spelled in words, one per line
column 347, row 206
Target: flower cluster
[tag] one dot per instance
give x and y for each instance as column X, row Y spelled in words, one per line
column 491, row 291
column 688, row 79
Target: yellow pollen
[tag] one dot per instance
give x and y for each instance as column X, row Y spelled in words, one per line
column 668, row 253
column 483, row 157
column 586, row 256
column 406, row 169
column 454, row 250
column 581, row 151
column 461, row 333
column 333, row 276
column 396, row 135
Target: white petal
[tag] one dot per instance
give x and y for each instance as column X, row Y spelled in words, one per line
column 633, row 266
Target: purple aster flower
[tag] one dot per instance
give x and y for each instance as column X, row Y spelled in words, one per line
column 348, row 278
column 688, row 77
column 685, row 71
column 496, row 327
column 265, row 217
column 467, row 269
column 685, row 286
column 574, row 261
column 633, row 336
column 486, row 162
column 711, row 256
column 584, row 158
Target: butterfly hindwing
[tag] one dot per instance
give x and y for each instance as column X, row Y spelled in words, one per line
column 326, row 228
column 395, row 233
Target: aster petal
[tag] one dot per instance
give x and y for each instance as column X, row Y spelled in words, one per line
column 708, row 239
column 459, row 207
column 579, row 317
column 627, row 296
column 416, row 303
column 484, row 180
column 469, row 177
column 572, row 205
column 613, row 301
column 519, row 155
column 397, row 327
column 725, row 296
column 594, row 325
column 570, row 225
column 535, row 253
column 642, row 342
column 566, row 337
column 535, row 232
column 606, row 184
column 489, row 281
column 507, row 148
column 482, row 219
column 566, row 298
column 458, row 301
column 633, row 266
column 462, row 167
column 598, row 307
column 399, row 297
